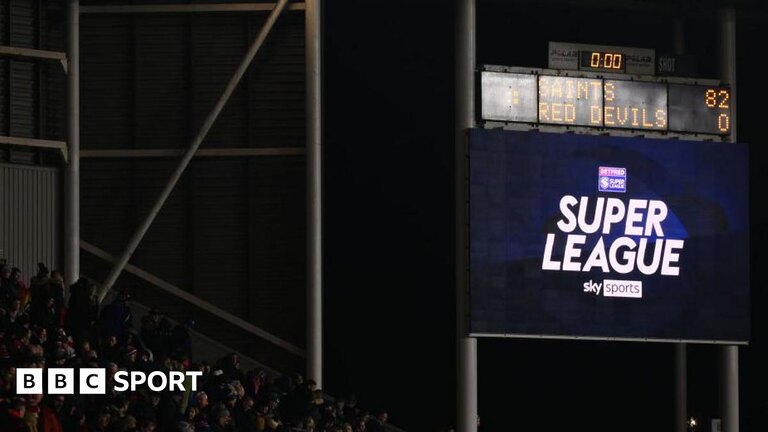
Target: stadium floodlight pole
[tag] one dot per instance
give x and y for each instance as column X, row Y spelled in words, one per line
column 313, row 32
column 212, row 116
column 466, row 347
column 72, row 177
column 729, row 354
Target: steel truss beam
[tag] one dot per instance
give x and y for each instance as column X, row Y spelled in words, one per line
column 186, row 8
column 138, row 235
column 37, row 143
column 197, row 301
column 35, row 54
column 209, row 152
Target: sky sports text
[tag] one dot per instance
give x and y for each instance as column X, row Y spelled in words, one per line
column 615, row 288
column 94, row 380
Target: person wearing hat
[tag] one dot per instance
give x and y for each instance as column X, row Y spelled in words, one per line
column 129, row 354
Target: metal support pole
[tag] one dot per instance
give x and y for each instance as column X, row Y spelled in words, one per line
column 729, row 387
column 680, row 349
column 728, row 60
column 313, row 31
column 679, row 36
column 214, row 114
column 681, row 387
column 466, row 347
column 72, row 177
column 729, row 354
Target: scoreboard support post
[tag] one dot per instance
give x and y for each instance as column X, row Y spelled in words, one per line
column 680, row 349
column 729, row 354
column 466, row 347
column 313, row 33
column 72, row 172
column 681, row 387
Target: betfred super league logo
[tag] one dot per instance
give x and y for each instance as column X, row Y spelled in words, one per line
column 611, row 179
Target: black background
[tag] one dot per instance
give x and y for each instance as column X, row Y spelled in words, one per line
column 389, row 311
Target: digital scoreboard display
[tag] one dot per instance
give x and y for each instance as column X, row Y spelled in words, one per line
column 590, row 236
column 635, row 105
column 604, row 103
column 602, row 61
column 701, row 109
column 570, row 101
column 509, row 97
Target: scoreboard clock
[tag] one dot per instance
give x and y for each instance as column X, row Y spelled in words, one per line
column 602, row 61
column 602, row 58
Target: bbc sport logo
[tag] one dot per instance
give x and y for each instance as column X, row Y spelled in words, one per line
column 94, row 381
column 611, row 179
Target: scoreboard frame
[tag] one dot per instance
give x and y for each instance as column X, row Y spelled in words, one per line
column 592, row 129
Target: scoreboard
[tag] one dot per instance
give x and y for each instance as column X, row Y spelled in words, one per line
column 604, row 87
column 618, row 102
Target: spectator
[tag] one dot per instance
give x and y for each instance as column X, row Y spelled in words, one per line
column 359, row 425
column 245, row 415
column 32, row 411
column 39, row 291
column 116, row 318
column 170, row 411
column 102, row 422
column 376, row 424
column 5, row 283
column 180, row 342
column 14, row 413
column 18, row 286
column 42, row 275
column 49, row 414
column 309, row 424
column 56, row 289
column 12, row 314
column 148, row 426
column 222, row 421
column 44, row 315
column 110, row 352
column 81, row 313
column 150, row 329
column 233, row 400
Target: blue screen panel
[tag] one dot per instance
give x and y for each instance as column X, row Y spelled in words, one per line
column 596, row 236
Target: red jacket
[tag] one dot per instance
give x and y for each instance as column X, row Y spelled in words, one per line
column 49, row 421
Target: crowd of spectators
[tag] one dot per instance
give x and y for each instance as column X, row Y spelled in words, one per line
column 41, row 326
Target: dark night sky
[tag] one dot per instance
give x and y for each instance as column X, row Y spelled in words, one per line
column 389, row 225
